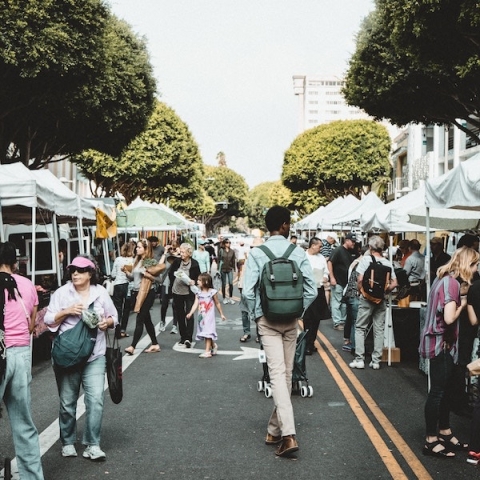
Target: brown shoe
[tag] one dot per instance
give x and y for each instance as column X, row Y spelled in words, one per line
column 272, row 439
column 289, row 445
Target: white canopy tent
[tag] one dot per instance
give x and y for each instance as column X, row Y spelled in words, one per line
column 39, row 191
column 320, row 219
column 369, row 203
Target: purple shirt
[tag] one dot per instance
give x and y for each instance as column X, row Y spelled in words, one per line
column 436, row 331
column 66, row 296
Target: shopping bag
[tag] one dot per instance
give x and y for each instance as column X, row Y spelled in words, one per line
column 113, row 357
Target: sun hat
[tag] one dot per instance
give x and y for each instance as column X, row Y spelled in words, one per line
column 82, row 262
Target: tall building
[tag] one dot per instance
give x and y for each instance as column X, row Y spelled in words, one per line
column 320, row 100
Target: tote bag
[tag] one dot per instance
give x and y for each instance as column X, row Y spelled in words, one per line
column 113, row 357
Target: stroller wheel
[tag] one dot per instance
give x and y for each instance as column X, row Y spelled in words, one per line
column 260, row 386
column 268, row 391
column 304, row 391
column 310, row 392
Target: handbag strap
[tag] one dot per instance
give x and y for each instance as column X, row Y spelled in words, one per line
column 112, row 343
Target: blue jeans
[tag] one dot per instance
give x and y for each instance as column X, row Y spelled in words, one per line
column 15, row 391
column 92, row 378
column 227, row 277
column 339, row 310
column 352, row 312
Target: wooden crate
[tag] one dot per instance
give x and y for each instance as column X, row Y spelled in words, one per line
column 395, row 355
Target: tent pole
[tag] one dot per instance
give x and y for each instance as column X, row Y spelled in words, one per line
column 2, row 232
column 428, row 280
column 34, row 242
column 389, row 309
column 55, row 247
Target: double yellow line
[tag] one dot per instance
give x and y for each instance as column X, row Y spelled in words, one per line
column 383, row 450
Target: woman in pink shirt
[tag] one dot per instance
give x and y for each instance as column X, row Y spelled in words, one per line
column 18, row 308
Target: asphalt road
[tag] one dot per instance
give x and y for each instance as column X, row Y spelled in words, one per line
column 183, row 417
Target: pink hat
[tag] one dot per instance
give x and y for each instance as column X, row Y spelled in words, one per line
column 82, row 262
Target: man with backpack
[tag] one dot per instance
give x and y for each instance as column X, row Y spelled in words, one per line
column 376, row 277
column 282, row 269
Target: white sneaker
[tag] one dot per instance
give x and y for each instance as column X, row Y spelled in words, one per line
column 69, row 451
column 225, row 301
column 232, row 301
column 174, row 330
column 357, row 364
column 162, row 326
column 374, row 365
column 95, row 453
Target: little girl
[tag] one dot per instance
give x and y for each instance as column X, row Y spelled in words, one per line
column 205, row 299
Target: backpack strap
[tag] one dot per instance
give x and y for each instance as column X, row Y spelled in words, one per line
column 271, row 256
column 267, row 252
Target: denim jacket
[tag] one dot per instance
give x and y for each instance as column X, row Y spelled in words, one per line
column 254, row 265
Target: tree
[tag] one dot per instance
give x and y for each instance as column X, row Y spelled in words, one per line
column 73, row 77
column 338, row 158
column 264, row 196
column 162, row 164
column 229, row 191
column 419, row 62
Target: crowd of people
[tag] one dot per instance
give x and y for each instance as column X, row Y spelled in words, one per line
column 181, row 276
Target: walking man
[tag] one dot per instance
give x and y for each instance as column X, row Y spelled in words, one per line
column 278, row 339
column 338, row 265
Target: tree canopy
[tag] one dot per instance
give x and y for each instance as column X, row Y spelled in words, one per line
column 73, row 77
column 162, row 164
column 229, row 191
column 334, row 159
column 419, row 62
column 264, row 196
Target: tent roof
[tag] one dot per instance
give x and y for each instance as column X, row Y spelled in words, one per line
column 459, row 188
column 150, row 216
column 320, row 218
column 369, row 203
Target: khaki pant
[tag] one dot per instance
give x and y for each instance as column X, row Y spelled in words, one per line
column 279, row 342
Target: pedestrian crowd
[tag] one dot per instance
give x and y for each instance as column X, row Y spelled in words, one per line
column 336, row 278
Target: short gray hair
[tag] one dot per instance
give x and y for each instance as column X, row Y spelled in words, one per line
column 187, row 247
column 376, row 243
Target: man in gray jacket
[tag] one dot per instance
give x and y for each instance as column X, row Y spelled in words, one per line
column 278, row 339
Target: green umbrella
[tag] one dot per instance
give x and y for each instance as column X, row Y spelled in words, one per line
column 148, row 217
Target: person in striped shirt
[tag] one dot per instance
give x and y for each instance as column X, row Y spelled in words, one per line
column 439, row 344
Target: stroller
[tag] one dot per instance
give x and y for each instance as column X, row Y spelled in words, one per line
column 299, row 377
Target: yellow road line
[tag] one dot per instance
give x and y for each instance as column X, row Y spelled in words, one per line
column 384, row 452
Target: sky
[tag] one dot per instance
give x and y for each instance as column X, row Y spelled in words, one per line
column 226, row 68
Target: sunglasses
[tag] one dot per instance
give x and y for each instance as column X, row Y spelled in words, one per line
column 79, row 269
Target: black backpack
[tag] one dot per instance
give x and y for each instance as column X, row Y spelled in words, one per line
column 281, row 287
column 403, row 283
column 375, row 280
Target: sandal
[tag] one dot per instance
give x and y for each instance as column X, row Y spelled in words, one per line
column 214, row 349
column 450, row 443
column 124, row 335
column 130, row 350
column 153, row 349
column 444, row 453
column 245, row 338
